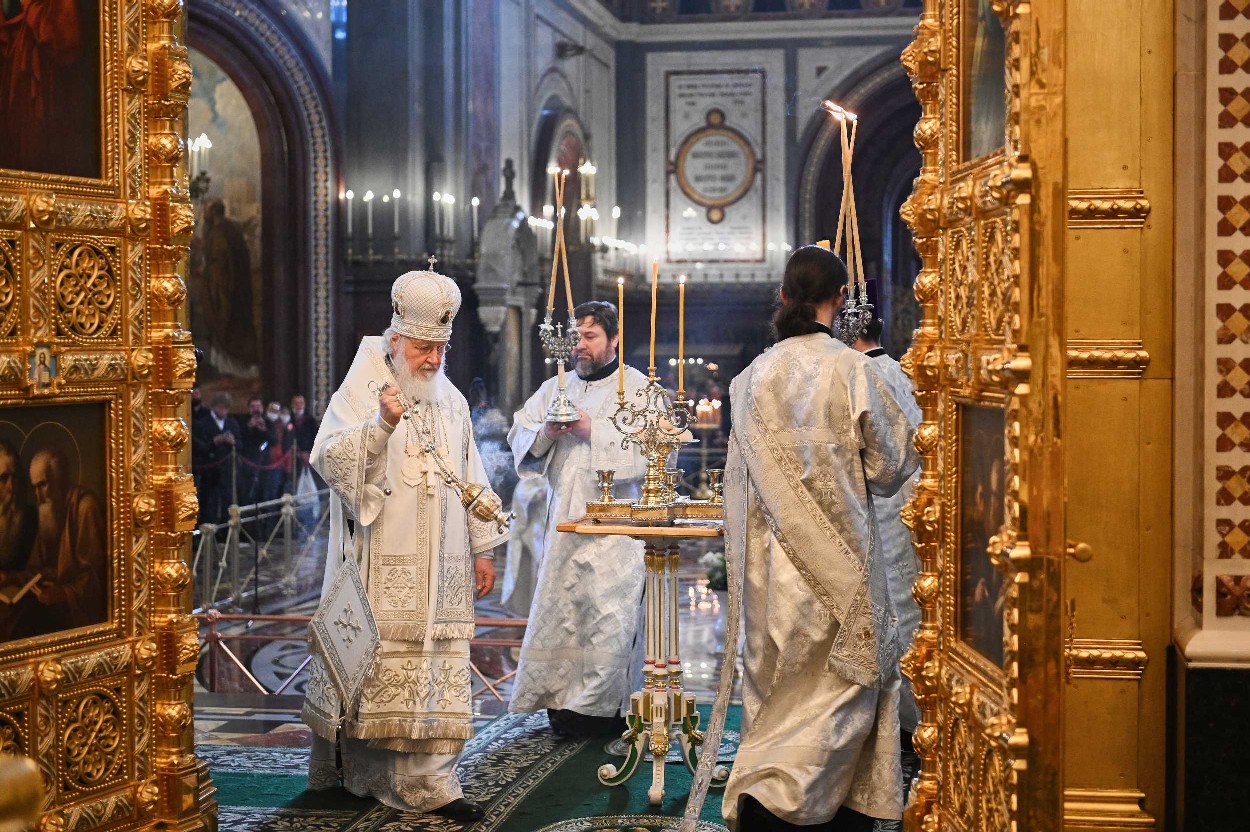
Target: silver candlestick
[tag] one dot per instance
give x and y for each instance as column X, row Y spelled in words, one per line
column 559, row 344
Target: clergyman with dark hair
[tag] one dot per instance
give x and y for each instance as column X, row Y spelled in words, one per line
column 817, row 436
column 580, row 658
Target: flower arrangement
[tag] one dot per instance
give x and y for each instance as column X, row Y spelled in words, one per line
column 714, row 563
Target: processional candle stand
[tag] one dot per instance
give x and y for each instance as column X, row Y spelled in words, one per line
column 857, row 312
column 656, row 423
column 559, row 341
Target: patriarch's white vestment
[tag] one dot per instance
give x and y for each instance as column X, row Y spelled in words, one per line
column 415, row 545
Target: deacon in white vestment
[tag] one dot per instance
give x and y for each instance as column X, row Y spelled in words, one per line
column 525, row 548
column 817, row 436
column 581, row 656
column 392, row 430
column 897, row 548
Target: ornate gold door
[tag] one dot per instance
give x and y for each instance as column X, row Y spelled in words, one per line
column 988, row 360
column 97, row 647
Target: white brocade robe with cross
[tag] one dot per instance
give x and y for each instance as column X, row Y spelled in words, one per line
column 817, row 438
column 415, row 545
column 582, row 648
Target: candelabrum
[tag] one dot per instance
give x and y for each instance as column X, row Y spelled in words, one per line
column 657, row 427
column 855, row 316
column 857, row 311
column 559, row 342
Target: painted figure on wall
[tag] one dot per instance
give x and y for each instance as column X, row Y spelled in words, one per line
column 50, row 86
column 43, row 368
column 224, row 295
column 53, row 527
column 986, row 82
column 226, row 287
column 981, row 517
column 17, row 518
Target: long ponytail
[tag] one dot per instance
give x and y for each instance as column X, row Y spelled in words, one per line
column 814, row 274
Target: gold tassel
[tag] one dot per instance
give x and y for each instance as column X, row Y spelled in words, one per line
column 320, row 725
column 413, row 729
column 433, row 746
column 446, row 630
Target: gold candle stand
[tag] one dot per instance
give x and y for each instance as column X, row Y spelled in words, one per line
column 662, row 712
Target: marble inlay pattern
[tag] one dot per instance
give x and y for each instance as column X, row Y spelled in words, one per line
column 1224, row 571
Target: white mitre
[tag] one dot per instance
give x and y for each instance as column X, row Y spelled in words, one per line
column 424, row 304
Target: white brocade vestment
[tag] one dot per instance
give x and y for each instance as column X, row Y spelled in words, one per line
column 415, row 545
column 581, row 648
column 525, row 548
column 897, row 548
column 815, row 432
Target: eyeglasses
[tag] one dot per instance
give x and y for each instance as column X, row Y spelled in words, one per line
column 429, row 349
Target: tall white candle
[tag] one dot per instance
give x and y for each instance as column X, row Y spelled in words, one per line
column 655, row 279
column 395, row 195
column 449, row 223
column 681, row 335
column 369, row 213
column 438, row 214
column 620, row 338
column 351, row 203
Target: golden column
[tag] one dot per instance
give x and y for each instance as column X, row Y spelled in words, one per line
column 185, row 792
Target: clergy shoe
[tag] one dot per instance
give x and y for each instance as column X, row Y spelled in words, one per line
column 461, row 809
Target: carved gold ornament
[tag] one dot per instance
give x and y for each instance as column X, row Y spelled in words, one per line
column 173, row 576
column 170, row 290
column 146, row 796
column 50, row 674
column 1106, row 359
column 92, row 738
column 10, row 736
column 184, row 365
column 166, row 148
column 172, row 717
column 181, row 221
column 1108, row 208
column 41, row 208
column 145, row 653
column 139, row 217
column 138, row 69
column 8, row 290
column 52, row 822
column 170, row 434
column 143, row 509
column 188, row 649
column 86, row 293
column 186, row 506
column 141, row 363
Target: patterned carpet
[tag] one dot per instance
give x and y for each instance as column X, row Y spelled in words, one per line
column 526, row 778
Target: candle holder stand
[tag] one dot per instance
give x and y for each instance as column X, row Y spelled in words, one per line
column 559, row 343
column 662, row 714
